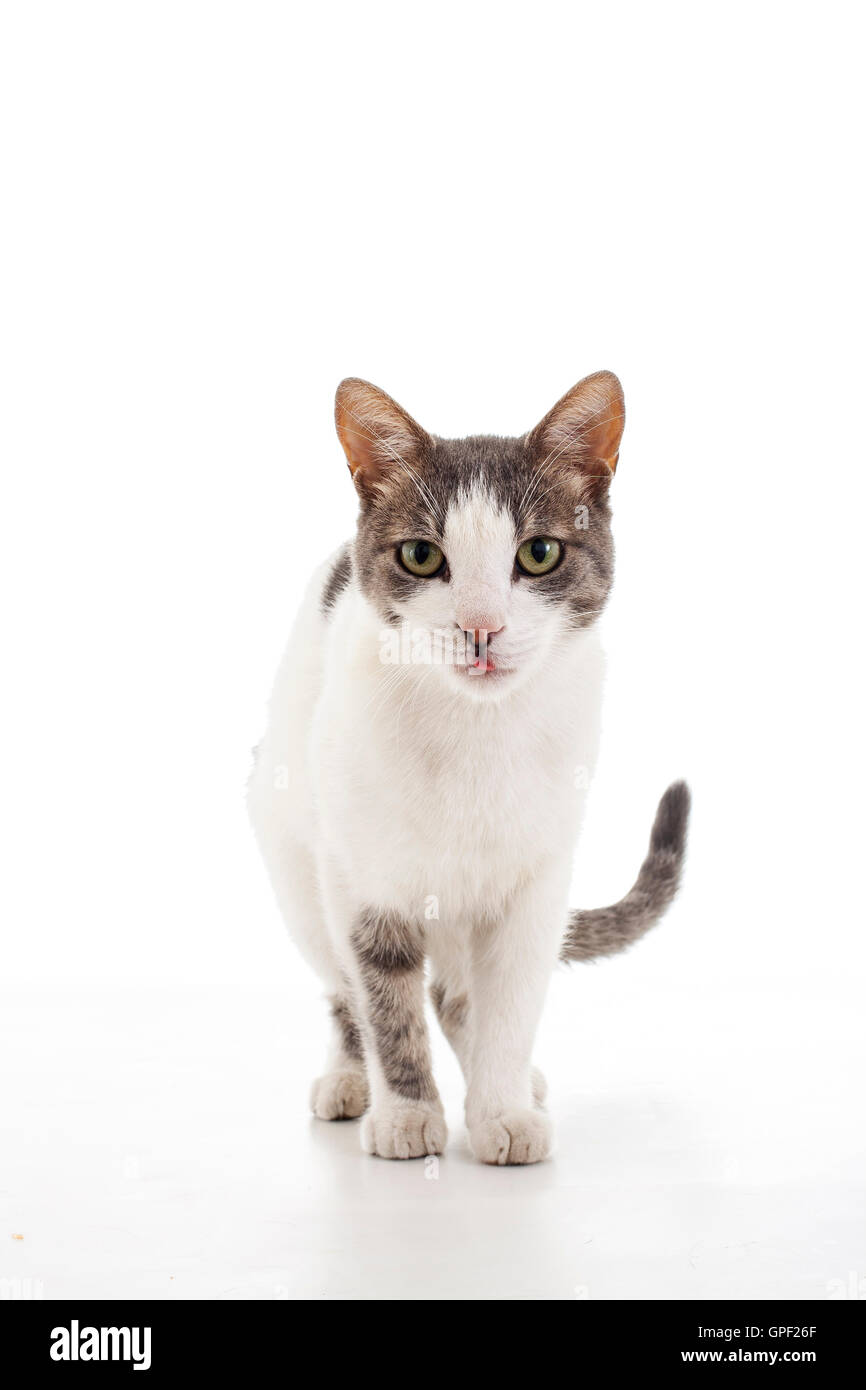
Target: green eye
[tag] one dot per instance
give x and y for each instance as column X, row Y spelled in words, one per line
column 539, row 556
column 422, row 558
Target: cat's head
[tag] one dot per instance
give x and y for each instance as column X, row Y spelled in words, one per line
column 492, row 552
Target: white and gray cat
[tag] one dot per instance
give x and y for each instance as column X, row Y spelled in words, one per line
column 415, row 795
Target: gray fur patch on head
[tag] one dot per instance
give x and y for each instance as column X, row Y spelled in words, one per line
column 561, row 503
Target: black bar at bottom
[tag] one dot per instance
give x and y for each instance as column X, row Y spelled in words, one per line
column 165, row 1339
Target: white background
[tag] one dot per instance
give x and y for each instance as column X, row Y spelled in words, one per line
column 212, row 213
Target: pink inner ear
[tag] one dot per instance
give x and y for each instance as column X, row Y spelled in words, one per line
column 374, row 430
column 359, row 448
column 603, row 436
column 587, row 423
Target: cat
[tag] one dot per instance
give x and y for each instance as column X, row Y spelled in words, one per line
column 420, row 786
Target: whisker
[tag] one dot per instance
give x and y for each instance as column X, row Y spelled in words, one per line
column 392, row 679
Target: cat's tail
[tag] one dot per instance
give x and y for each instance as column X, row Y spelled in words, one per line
column 603, row 931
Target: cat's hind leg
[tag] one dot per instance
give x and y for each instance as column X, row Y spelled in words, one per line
column 342, row 1092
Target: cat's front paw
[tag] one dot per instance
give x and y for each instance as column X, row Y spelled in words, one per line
column 517, row 1136
column 340, row 1095
column 404, row 1131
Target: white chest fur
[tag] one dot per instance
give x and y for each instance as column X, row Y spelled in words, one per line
column 423, row 795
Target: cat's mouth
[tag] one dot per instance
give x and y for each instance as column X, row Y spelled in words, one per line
column 484, row 669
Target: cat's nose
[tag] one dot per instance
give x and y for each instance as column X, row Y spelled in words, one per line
column 480, row 631
column 479, row 640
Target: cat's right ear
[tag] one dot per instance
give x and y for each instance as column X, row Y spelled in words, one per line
column 377, row 435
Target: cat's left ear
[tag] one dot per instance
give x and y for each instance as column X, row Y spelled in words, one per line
column 584, row 429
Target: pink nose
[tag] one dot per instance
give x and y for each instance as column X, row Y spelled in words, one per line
column 482, row 628
column 478, row 646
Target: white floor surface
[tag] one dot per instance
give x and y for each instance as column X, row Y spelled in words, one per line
column 163, row 1149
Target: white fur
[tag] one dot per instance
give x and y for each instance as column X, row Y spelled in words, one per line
column 427, row 790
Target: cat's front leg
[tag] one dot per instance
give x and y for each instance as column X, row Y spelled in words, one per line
column 512, row 960
column 405, row 1119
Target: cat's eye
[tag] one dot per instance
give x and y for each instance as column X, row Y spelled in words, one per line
column 539, row 556
column 422, row 558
